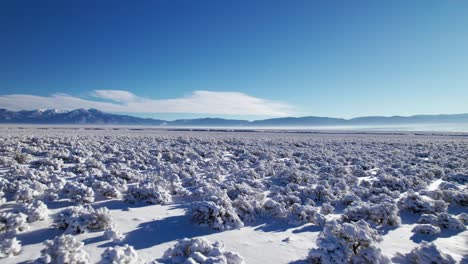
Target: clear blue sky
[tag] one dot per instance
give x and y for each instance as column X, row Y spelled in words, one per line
column 324, row 58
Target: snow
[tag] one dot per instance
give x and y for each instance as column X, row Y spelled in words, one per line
column 136, row 196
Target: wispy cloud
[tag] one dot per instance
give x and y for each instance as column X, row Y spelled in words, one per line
column 198, row 102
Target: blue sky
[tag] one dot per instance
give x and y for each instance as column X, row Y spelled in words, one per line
column 241, row 59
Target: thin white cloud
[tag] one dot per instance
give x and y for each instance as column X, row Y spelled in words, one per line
column 199, row 102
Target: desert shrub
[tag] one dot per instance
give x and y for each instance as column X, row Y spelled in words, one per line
column 248, row 207
column 426, row 229
column 22, row 158
column 120, row 254
column 350, row 198
column 428, row 253
column 301, row 214
column 456, row 197
column 326, row 209
column 2, row 199
column 461, row 178
column 442, row 220
column 463, row 217
column 217, row 214
column 9, row 247
column 78, row 193
column 13, row 222
column 106, row 189
column 274, row 208
column 64, row 249
column 416, row 203
column 199, row 250
column 36, row 211
column 113, row 234
column 79, row 219
column 347, row 243
column 26, row 193
column 378, row 214
column 148, row 192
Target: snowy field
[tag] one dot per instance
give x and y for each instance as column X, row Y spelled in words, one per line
column 153, row 196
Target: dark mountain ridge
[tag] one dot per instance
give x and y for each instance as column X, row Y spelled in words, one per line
column 96, row 117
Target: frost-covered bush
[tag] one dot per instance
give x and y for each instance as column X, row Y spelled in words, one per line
column 248, row 207
column 13, row 222
column 107, row 190
column 428, row 253
column 120, row 254
column 26, row 193
column 22, row 158
column 461, row 178
column 442, row 220
column 2, row 199
column 78, row 193
column 456, row 197
column 113, row 234
column 79, row 219
column 199, row 250
column 64, row 249
column 274, row 208
column 463, row 217
column 217, row 214
column 347, row 243
column 301, row 214
column 350, row 198
column 327, row 209
column 36, row 211
column 148, row 192
column 426, row 229
column 384, row 213
column 9, row 247
column 416, row 203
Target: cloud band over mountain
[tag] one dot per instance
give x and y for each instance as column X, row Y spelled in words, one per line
column 119, row 101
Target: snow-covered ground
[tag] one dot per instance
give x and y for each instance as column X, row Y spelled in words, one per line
column 149, row 196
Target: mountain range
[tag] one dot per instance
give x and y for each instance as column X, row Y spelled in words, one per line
column 96, row 117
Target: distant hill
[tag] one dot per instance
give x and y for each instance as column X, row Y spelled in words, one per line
column 78, row 116
column 96, row 117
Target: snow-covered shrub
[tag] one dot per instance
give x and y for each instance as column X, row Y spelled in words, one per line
column 456, row 197
column 442, row 220
column 78, row 193
column 327, row 209
column 148, row 192
column 36, row 211
column 79, row 219
column 113, row 234
column 347, row 243
column 22, row 158
column 463, row 217
column 248, row 207
column 120, row 255
column 13, row 222
column 26, row 194
column 428, row 253
column 274, row 208
column 64, row 249
column 301, row 214
column 416, row 203
column 199, row 250
column 2, row 199
column 107, row 190
column 350, row 198
column 450, row 222
column 218, row 214
column 384, row 213
column 9, row 247
column 461, row 178
column 426, row 229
